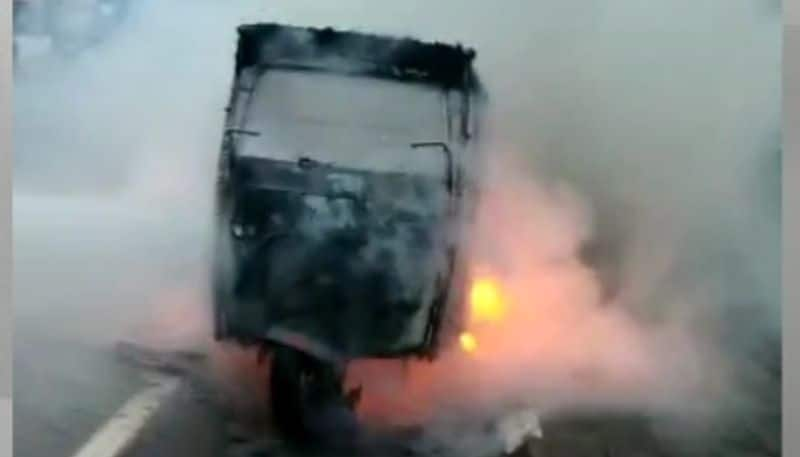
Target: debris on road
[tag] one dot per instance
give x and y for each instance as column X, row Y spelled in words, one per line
column 518, row 428
column 172, row 362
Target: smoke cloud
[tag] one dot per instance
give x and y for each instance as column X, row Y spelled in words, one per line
column 631, row 214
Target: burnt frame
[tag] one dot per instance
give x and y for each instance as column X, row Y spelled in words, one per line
column 444, row 66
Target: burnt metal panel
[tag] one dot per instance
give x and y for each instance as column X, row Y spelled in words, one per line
column 272, row 44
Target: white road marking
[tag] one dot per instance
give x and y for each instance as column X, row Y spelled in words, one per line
column 123, row 428
column 5, row 427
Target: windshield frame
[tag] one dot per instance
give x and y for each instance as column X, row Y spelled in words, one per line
column 375, row 154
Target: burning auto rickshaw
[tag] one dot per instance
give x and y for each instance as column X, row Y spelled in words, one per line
column 344, row 184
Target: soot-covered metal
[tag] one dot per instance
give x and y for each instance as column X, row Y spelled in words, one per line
column 320, row 256
column 407, row 58
column 340, row 203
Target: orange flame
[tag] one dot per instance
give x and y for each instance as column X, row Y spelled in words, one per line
column 486, row 302
column 486, row 305
column 468, row 342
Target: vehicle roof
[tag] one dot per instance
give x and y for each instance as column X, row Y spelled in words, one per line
column 410, row 59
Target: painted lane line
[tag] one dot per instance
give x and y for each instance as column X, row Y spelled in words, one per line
column 5, row 427
column 116, row 435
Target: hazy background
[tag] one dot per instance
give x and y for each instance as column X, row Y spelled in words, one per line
column 663, row 118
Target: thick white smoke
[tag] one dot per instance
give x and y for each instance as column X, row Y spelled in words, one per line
column 657, row 259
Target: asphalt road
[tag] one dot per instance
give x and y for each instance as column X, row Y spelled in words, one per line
column 87, row 271
column 64, row 390
column 61, row 405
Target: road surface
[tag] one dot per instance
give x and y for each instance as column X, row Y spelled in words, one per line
column 66, row 406
column 64, row 391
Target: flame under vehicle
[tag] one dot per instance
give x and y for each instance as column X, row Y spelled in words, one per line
column 342, row 191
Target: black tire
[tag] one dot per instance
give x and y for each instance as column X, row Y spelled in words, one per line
column 286, row 393
column 301, row 386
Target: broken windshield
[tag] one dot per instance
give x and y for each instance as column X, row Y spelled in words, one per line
column 358, row 122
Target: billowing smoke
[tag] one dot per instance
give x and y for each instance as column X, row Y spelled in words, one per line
column 640, row 261
column 557, row 342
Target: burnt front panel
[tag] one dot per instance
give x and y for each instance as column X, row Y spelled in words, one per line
column 355, row 268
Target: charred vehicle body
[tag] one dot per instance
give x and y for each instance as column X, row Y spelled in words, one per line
column 343, row 187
